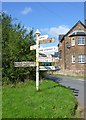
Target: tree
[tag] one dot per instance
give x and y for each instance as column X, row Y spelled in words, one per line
column 16, row 47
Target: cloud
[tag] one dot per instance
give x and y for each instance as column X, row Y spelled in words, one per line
column 55, row 31
column 28, row 28
column 26, row 10
column 5, row 11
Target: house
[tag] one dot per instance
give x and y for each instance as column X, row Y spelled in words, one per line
column 72, row 50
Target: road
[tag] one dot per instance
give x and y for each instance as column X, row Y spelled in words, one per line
column 75, row 84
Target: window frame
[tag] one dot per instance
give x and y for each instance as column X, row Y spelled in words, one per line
column 82, row 58
column 72, row 41
column 81, row 40
column 73, row 59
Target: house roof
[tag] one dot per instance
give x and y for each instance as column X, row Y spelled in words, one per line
column 72, row 29
column 61, row 36
column 78, row 33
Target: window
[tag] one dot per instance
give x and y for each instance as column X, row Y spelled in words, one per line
column 72, row 42
column 73, row 58
column 81, row 58
column 81, row 40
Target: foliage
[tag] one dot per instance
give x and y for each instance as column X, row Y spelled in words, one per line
column 16, row 47
column 82, row 77
column 52, row 101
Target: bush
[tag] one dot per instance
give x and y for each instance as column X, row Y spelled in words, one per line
column 15, row 47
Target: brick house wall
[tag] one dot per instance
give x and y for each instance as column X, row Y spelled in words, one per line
column 67, row 51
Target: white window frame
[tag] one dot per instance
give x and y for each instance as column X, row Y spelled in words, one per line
column 81, row 37
column 73, row 58
column 73, row 41
column 81, row 58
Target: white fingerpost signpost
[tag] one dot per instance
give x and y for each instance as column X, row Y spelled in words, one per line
column 40, row 40
column 37, row 56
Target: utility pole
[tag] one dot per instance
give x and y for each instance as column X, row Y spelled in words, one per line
column 37, row 57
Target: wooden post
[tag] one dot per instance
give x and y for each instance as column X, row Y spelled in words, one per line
column 37, row 57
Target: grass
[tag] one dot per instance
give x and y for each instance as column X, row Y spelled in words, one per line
column 83, row 77
column 52, row 101
column 0, row 92
column 0, row 102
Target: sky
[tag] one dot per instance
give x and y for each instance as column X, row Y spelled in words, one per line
column 52, row 18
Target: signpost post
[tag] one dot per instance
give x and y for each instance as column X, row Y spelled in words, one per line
column 37, row 62
column 40, row 40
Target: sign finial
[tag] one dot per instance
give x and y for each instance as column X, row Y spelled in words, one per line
column 37, row 32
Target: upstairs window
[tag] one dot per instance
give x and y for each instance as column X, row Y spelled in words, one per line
column 73, row 58
column 81, row 58
column 81, row 40
column 72, row 42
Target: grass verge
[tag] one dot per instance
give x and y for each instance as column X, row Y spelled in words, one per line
column 52, row 101
column 82, row 77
